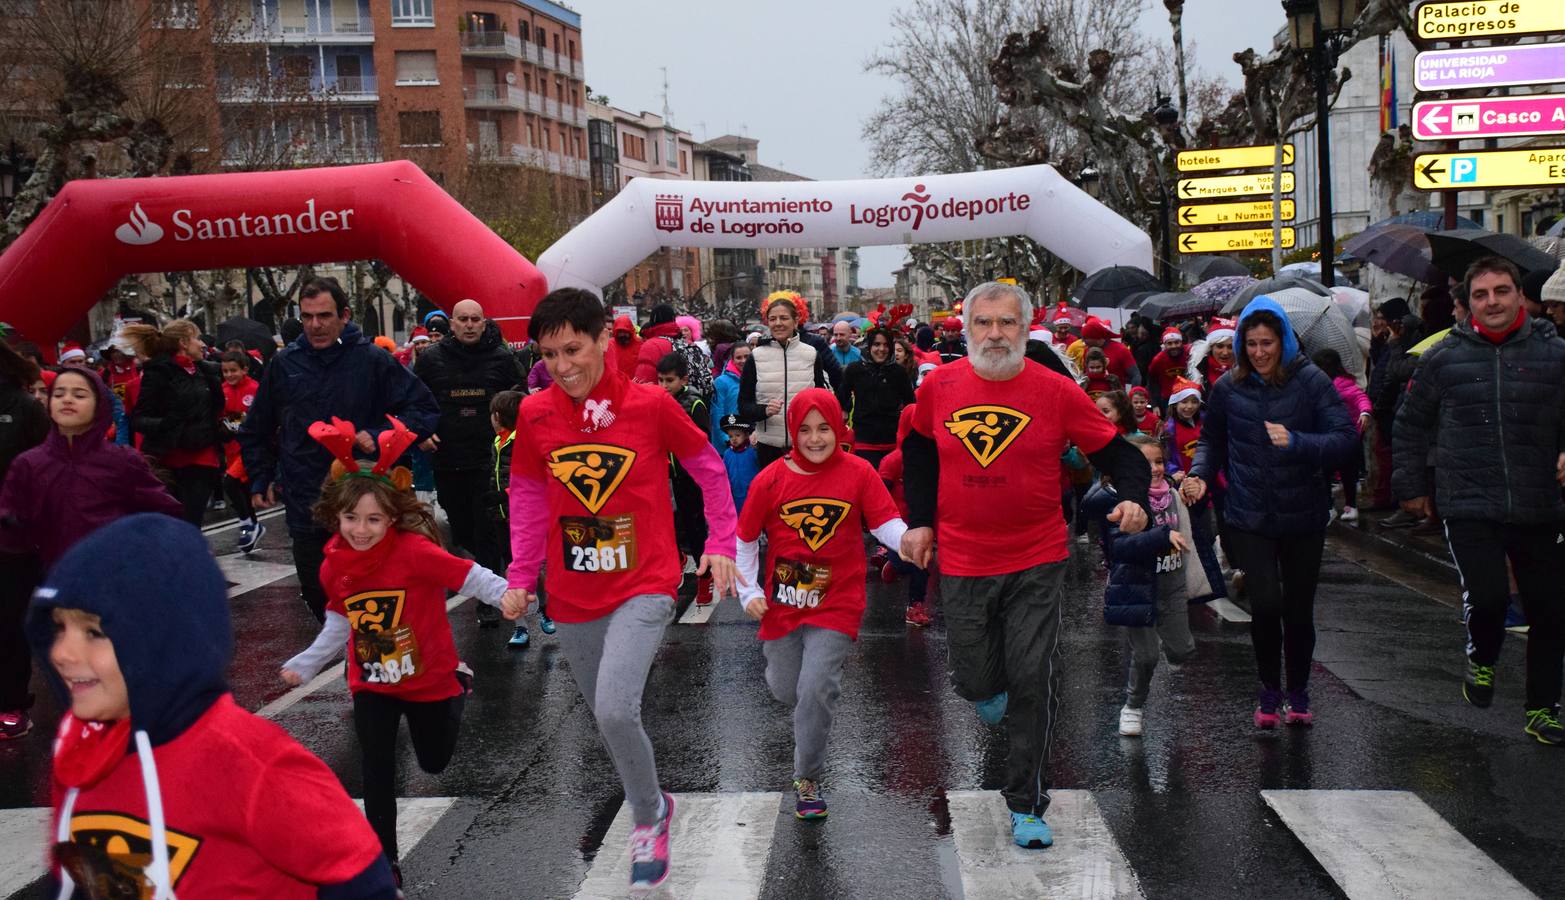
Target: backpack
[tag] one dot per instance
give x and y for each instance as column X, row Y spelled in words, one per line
column 700, row 379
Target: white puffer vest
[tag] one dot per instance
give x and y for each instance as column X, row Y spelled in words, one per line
column 781, row 372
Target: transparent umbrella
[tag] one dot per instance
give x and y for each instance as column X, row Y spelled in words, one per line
column 1321, row 323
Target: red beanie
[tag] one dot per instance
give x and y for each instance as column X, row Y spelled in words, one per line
column 1097, row 330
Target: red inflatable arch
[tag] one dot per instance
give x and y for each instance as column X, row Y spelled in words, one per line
column 95, row 232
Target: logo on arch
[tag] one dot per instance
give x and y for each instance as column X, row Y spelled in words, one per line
column 140, row 229
column 987, row 430
column 669, row 212
column 591, row 472
column 814, row 519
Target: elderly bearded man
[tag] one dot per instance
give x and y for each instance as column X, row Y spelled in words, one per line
column 982, row 465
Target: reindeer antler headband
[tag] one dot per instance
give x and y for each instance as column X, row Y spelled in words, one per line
column 339, row 436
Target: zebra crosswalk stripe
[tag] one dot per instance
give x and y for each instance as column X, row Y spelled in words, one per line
column 1085, row 862
column 719, row 845
column 1390, row 844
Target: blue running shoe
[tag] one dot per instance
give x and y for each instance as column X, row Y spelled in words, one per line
column 545, row 624
column 1030, row 832
column 519, row 638
column 993, row 709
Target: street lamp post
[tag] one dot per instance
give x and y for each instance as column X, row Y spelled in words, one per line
column 1315, row 24
column 1166, row 116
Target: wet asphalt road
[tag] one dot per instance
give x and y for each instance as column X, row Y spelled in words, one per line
column 535, row 793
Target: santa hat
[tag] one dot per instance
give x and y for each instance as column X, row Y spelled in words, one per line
column 1222, row 330
column 72, row 352
column 1040, row 334
column 1064, row 317
column 1138, row 389
column 1184, row 388
column 420, row 335
column 952, row 323
column 1097, row 330
column 1172, row 332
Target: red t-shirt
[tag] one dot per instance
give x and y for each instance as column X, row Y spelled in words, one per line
column 394, row 597
column 247, row 812
column 814, row 553
column 1183, row 440
column 1166, row 370
column 891, row 475
column 1000, row 444
column 237, row 400
column 1150, row 423
column 609, row 511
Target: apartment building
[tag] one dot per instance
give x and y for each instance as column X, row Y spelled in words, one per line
column 624, row 145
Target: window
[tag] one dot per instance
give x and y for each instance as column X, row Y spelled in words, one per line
column 556, row 42
column 572, row 45
column 416, row 67
column 683, row 165
column 174, row 14
column 184, row 72
column 634, row 147
column 671, row 152
column 523, row 32
column 419, row 13
column 419, row 129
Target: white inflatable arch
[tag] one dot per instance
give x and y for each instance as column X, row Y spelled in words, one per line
column 1034, row 201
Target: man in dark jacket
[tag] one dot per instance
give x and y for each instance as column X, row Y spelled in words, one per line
column 331, row 370
column 464, row 373
column 1492, row 388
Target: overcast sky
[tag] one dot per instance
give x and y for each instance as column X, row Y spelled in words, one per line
column 792, row 74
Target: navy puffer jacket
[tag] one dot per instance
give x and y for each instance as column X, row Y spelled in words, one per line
column 1131, row 595
column 1501, row 416
column 1274, row 491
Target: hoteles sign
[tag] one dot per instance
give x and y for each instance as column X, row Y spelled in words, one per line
column 95, row 232
column 1032, row 200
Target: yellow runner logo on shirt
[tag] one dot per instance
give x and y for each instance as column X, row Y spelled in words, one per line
column 591, row 472
column 814, row 518
column 377, row 610
column 111, row 852
column 987, row 430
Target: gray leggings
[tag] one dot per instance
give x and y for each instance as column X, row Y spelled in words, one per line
column 804, row 670
column 610, row 658
column 1172, row 631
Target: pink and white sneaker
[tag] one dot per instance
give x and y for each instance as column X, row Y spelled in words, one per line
column 1266, row 716
column 649, row 850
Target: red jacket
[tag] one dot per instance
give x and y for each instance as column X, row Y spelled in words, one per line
column 626, row 355
column 656, row 343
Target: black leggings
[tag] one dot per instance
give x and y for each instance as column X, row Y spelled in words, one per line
column 238, row 494
column 193, row 488
column 1280, row 575
column 1352, row 468
column 432, row 725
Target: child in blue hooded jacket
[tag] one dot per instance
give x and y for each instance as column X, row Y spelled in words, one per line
column 162, row 783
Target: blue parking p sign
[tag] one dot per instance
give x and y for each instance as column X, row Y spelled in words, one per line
column 1464, row 169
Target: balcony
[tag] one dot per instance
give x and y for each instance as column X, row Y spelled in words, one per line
column 341, row 89
column 302, row 153
column 493, row 96
column 491, row 45
column 507, row 155
column 551, row 107
column 576, row 115
column 326, row 29
column 534, row 102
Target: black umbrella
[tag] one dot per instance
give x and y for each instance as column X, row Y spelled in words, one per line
column 1400, row 249
column 1238, row 302
column 1157, row 306
column 1106, row 287
column 1205, row 268
column 255, row 335
column 1453, row 251
column 1134, row 301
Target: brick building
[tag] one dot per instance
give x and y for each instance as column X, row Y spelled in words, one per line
column 626, row 145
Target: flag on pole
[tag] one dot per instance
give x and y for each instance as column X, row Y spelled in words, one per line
column 1388, row 85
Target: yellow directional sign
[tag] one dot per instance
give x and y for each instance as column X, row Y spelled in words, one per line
column 1262, row 157
column 1244, row 213
column 1227, row 186
column 1231, row 241
column 1481, row 169
column 1457, row 20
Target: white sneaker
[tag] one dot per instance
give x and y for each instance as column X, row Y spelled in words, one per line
column 1081, row 538
column 1129, row 722
column 1349, row 514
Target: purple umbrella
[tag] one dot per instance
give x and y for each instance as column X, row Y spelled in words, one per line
column 1222, row 288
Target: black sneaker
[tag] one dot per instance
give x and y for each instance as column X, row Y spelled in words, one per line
column 1544, row 724
column 1478, row 687
column 488, row 616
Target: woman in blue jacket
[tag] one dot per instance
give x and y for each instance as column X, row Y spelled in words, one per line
column 1275, row 425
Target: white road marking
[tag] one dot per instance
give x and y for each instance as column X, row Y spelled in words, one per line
column 1085, row 862
column 698, row 614
column 1227, row 610
column 215, row 527
column 1390, row 844
column 329, row 675
column 25, row 837
column 248, row 574
column 719, row 848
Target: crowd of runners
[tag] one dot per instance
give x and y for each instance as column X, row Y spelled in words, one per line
column 595, row 478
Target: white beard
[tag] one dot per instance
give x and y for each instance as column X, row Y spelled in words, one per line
column 995, row 367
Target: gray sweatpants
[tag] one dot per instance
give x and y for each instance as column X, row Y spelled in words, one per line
column 1003, row 634
column 804, row 670
column 610, row 658
column 1172, row 631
